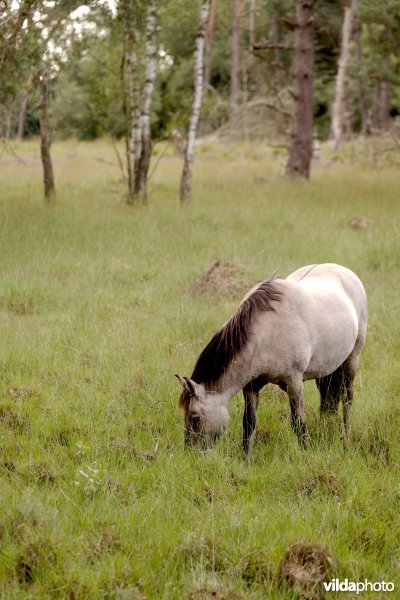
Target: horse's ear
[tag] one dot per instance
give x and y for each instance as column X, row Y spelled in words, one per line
column 187, row 384
column 181, row 380
column 188, row 390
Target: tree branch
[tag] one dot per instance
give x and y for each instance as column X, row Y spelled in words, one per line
column 272, row 46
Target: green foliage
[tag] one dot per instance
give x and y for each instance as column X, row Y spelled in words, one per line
column 89, row 91
column 84, row 68
column 19, row 49
column 96, row 316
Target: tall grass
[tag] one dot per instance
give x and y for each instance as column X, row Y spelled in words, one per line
column 96, row 316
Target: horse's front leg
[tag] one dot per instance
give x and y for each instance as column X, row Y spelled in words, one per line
column 295, row 393
column 251, row 399
column 251, row 393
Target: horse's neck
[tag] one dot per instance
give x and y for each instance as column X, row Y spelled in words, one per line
column 231, row 383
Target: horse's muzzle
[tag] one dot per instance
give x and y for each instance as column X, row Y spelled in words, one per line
column 201, row 440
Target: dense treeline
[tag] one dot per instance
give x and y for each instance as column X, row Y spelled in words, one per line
column 85, row 80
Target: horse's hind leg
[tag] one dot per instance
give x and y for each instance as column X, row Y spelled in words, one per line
column 339, row 386
column 251, row 398
column 350, row 370
column 331, row 389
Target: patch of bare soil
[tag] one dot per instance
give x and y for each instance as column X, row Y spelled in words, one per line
column 222, row 279
column 214, row 592
column 360, row 223
column 304, row 568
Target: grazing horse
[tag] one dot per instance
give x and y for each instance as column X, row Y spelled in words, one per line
column 311, row 325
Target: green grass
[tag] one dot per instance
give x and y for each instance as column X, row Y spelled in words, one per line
column 95, row 319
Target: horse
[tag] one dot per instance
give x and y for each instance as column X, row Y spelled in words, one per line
column 311, row 325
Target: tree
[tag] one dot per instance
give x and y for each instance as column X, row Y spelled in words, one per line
column 23, row 109
column 335, row 134
column 186, row 180
column 377, row 61
column 14, row 44
column 146, row 146
column 235, row 57
column 208, row 43
column 136, row 101
column 130, row 95
column 50, row 25
column 301, row 145
column 45, row 142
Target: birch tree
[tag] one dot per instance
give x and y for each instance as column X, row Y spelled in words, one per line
column 126, row 107
column 301, row 144
column 130, row 95
column 143, row 160
column 136, row 101
column 186, row 181
column 336, row 129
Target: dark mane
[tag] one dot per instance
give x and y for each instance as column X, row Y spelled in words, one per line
column 231, row 339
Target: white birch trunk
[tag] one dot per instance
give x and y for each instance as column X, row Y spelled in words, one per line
column 336, row 130
column 151, row 62
column 126, row 106
column 198, row 94
column 136, row 133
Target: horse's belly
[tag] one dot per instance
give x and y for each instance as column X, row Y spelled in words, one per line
column 333, row 342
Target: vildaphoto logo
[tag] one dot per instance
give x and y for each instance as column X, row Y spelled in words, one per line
column 358, row 586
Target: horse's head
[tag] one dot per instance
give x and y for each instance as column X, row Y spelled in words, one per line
column 205, row 417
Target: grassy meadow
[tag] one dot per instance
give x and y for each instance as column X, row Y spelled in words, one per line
column 96, row 317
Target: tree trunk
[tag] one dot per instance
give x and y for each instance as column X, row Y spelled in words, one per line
column 45, row 143
column 276, row 38
column 186, row 181
column 126, row 108
column 300, row 152
column 22, row 117
column 151, row 54
column 208, row 43
column 235, row 57
column 8, row 123
column 252, row 24
column 385, row 104
column 362, row 101
column 22, row 111
column 338, row 108
column 136, row 132
column 376, row 108
column 386, row 88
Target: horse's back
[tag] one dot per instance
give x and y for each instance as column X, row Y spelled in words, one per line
column 331, row 274
column 336, row 311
